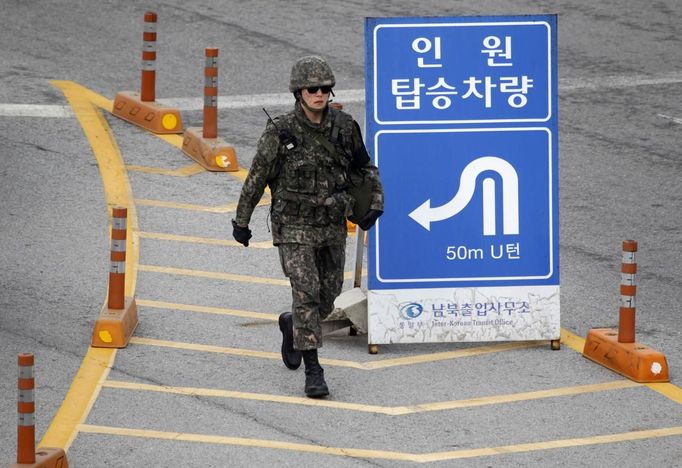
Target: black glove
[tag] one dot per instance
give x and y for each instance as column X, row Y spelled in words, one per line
column 370, row 218
column 241, row 234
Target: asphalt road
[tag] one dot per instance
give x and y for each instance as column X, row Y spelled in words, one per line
column 201, row 385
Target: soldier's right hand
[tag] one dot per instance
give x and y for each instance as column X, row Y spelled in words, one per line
column 370, row 218
column 241, row 234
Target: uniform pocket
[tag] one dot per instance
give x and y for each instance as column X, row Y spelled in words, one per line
column 301, row 177
column 282, row 262
column 277, row 209
column 287, row 253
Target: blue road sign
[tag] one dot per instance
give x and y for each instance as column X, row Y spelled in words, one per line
column 461, row 70
column 462, row 123
column 476, row 207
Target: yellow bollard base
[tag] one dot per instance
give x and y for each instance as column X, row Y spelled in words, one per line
column 147, row 114
column 114, row 327
column 632, row 360
column 46, row 457
column 213, row 154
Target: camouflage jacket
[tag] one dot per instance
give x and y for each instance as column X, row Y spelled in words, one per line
column 308, row 184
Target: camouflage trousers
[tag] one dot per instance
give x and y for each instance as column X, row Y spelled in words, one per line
column 316, row 277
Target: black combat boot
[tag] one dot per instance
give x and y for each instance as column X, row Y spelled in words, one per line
column 315, row 386
column 290, row 356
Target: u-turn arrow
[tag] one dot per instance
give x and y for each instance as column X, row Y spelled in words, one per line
column 425, row 215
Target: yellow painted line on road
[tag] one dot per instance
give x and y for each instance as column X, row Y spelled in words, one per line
column 225, row 208
column 80, row 398
column 385, row 454
column 554, row 444
column 573, row 341
column 219, row 275
column 204, row 348
column 206, row 309
column 108, row 105
column 96, row 364
column 239, row 441
column 667, row 389
column 202, row 240
column 187, row 171
column 447, row 355
column 176, row 140
column 371, row 365
column 209, row 392
column 86, row 95
column 386, row 410
column 525, row 396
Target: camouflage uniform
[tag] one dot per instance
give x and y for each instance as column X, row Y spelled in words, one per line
column 309, row 208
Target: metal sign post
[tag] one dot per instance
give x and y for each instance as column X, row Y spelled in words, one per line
column 462, row 123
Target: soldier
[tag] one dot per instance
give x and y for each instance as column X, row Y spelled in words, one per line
column 308, row 157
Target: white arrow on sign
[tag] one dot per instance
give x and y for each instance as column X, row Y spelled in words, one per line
column 425, row 215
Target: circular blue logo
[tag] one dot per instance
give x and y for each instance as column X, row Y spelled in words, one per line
column 411, row 310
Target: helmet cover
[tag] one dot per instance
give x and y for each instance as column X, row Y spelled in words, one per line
column 310, row 71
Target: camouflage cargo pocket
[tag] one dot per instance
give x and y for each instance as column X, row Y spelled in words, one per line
column 300, row 177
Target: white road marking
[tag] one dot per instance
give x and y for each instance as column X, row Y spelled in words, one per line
column 677, row 120
column 34, row 110
column 244, row 101
column 258, row 100
column 618, row 81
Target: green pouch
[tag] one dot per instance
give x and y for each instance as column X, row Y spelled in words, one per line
column 360, row 189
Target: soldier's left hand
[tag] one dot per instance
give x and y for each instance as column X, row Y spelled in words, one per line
column 370, row 218
column 241, row 234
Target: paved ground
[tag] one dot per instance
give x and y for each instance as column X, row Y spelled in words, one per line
column 201, row 382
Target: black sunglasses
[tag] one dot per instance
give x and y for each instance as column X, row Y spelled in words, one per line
column 314, row 89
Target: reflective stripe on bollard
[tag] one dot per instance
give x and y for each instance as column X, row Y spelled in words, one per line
column 211, row 93
column 119, row 226
column 148, row 87
column 628, row 291
column 26, row 409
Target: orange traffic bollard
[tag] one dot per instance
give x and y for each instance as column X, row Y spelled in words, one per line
column 118, row 317
column 26, row 406
column 211, row 93
column 148, row 81
column 117, row 273
column 617, row 350
column 141, row 109
column 628, row 291
column 203, row 144
column 26, row 433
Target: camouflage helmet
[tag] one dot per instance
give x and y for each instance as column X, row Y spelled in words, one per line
column 310, row 71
